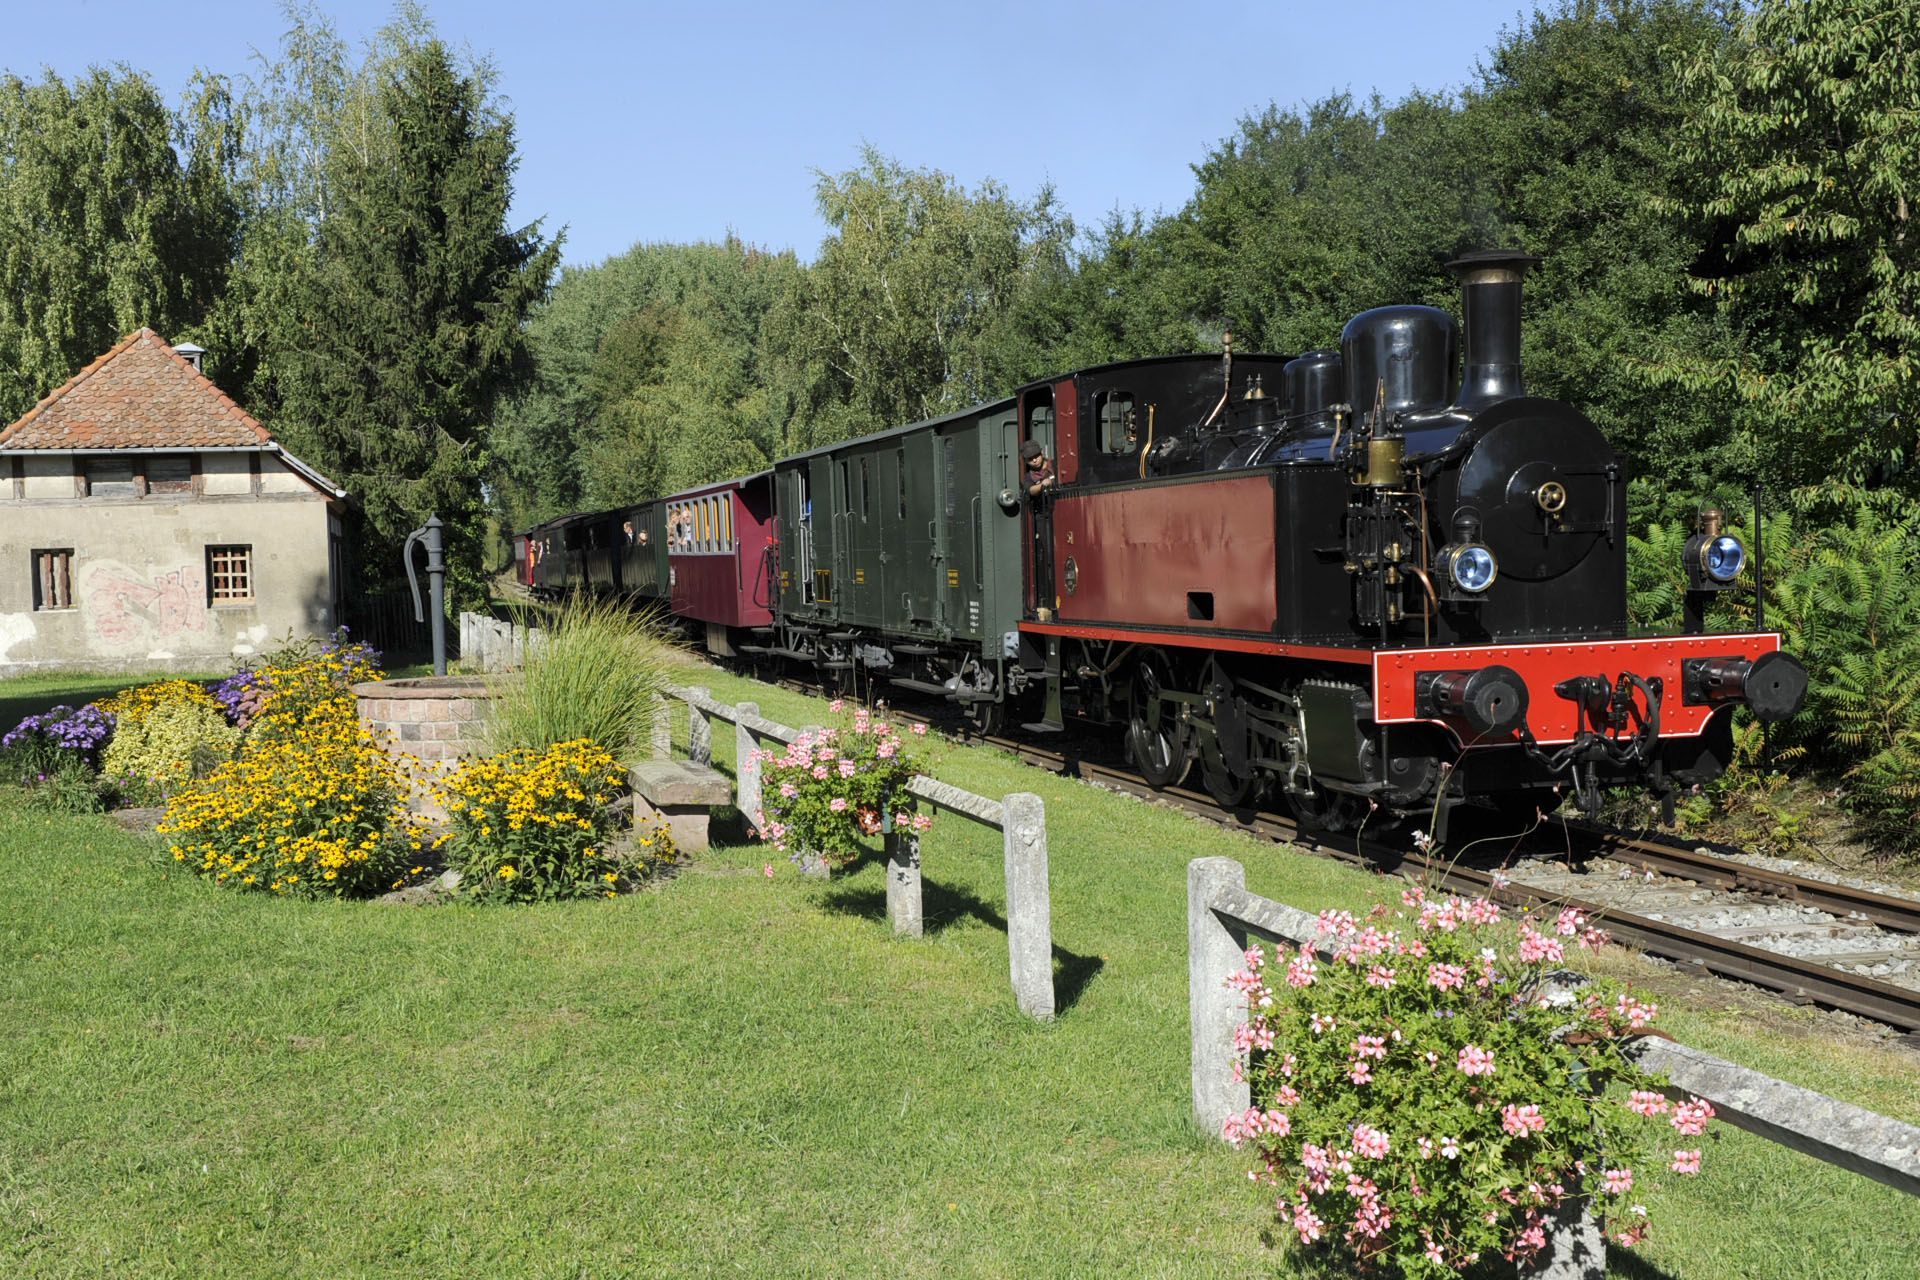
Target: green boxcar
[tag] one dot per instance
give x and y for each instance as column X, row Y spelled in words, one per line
column 901, row 553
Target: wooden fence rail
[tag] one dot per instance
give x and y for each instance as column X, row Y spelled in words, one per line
column 1020, row 817
column 1222, row 916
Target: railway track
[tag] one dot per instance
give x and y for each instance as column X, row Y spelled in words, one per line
column 1590, row 852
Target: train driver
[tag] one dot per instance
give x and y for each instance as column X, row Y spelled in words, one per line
column 1039, row 468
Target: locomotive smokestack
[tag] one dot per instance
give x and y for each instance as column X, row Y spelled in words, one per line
column 1490, row 315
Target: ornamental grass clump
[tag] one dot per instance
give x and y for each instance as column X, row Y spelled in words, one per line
column 165, row 735
column 832, row 788
column 532, row 826
column 1430, row 1092
column 594, row 673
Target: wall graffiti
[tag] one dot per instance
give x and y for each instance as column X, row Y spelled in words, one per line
column 127, row 608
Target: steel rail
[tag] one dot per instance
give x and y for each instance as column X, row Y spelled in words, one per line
column 1799, row 981
column 1716, row 872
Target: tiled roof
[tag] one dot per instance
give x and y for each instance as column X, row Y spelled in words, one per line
column 140, row 395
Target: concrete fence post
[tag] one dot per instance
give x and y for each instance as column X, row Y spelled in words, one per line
column 699, row 729
column 1213, row 952
column 1029, row 904
column 1576, row 1248
column 662, row 729
column 811, row 863
column 746, row 766
column 904, row 900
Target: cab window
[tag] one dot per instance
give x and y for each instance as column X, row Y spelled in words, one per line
column 1113, row 411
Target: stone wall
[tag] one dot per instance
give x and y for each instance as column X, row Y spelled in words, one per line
column 437, row 718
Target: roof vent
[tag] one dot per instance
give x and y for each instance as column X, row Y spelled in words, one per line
column 190, row 353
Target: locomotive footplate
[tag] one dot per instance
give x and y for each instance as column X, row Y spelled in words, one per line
column 1566, row 692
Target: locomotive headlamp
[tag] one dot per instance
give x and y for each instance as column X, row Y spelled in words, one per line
column 1469, row 566
column 1714, row 557
column 1722, row 557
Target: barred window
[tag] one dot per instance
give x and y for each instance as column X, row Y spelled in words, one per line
column 229, row 574
column 53, row 579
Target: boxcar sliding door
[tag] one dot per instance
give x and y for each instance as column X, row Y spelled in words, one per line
column 911, row 568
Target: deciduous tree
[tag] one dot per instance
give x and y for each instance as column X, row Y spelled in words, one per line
column 115, row 212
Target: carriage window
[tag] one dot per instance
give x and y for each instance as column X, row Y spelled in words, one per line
column 900, row 474
column 846, row 490
column 726, row 524
column 1040, row 425
column 1113, row 410
column 866, row 488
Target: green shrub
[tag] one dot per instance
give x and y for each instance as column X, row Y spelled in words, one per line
column 165, row 735
column 1842, row 589
column 594, row 674
column 68, row 786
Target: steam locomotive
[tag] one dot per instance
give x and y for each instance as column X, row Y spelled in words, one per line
column 1377, row 577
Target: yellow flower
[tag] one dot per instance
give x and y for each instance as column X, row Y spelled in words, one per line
column 507, row 872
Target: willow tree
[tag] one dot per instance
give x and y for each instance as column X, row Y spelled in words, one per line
column 115, row 212
column 902, row 314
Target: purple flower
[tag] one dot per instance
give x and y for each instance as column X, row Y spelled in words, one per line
column 84, row 731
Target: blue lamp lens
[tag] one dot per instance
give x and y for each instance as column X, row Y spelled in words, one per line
column 1473, row 568
column 1725, row 558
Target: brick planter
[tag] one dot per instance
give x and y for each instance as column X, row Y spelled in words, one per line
column 436, row 718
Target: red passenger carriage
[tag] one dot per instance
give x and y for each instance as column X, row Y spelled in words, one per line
column 720, row 555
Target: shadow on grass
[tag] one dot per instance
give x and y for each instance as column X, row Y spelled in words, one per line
column 1631, row 1266
column 943, row 907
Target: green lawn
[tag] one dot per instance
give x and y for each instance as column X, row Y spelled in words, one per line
column 728, row 1075
column 23, row 696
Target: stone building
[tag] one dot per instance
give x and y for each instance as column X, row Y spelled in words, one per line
column 149, row 522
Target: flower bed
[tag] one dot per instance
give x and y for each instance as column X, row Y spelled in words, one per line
column 1429, row 1090
column 831, row 788
column 535, row 825
column 317, row 810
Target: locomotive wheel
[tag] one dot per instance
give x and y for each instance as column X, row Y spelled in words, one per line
column 1156, row 736
column 1229, row 790
column 1330, row 811
column 987, row 719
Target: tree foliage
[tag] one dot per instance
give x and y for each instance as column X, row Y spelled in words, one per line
column 1803, row 143
column 649, row 375
column 915, row 301
column 395, row 323
column 115, row 212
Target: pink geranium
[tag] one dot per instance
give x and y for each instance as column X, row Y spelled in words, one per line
column 1369, row 1142
column 1521, row 1120
column 1691, row 1117
column 1475, row 1061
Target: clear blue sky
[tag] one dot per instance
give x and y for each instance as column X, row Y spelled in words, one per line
column 650, row 121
